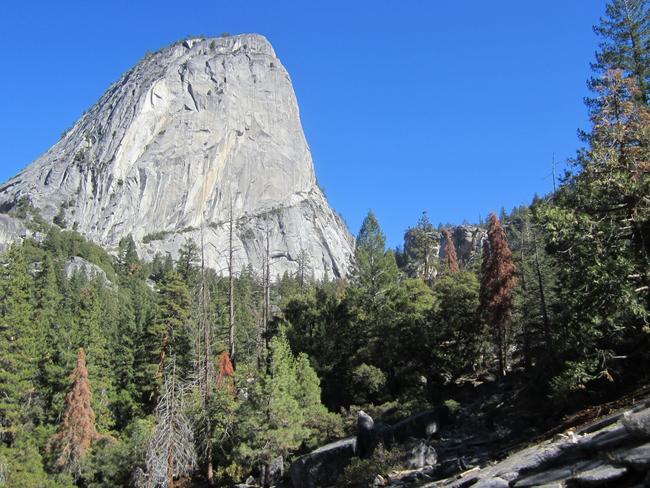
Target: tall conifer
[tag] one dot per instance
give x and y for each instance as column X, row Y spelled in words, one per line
column 450, row 256
column 497, row 283
column 18, row 351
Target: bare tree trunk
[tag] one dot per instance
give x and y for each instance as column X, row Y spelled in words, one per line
column 231, row 292
column 501, row 340
column 206, row 362
column 525, row 321
column 172, row 428
column 267, row 295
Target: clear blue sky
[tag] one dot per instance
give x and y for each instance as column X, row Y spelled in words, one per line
column 451, row 107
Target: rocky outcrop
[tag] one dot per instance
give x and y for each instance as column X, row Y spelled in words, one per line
column 423, row 248
column 323, row 466
column 11, row 230
column 468, row 240
column 613, row 451
column 198, row 128
column 78, row 265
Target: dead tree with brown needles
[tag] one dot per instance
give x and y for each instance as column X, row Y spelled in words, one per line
column 498, row 280
column 77, row 431
column 450, row 253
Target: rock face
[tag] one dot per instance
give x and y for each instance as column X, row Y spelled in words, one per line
column 77, row 265
column 191, row 131
column 11, row 230
column 468, row 240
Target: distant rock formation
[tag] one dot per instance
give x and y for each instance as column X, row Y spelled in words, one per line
column 189, row 131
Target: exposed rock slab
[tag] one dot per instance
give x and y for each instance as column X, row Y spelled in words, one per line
column 609, row 452
column 198, row 127
column 78, row 265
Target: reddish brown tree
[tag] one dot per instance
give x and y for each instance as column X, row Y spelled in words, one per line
column 498, row 281
column 226, row 373
column 77, row 431
column 450, row 254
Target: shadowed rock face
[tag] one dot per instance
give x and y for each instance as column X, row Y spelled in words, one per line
column 323, row 466
column 189, row 130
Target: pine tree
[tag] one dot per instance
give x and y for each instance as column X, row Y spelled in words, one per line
column 18, row 345
column 625, row 44
column 599, row 229
column 375, row 270
column 128, row 256
column 458, row 339
column 497, row 283
column 94, row 335
column 370, row 298
column 273, row 421
column 450, row 253
column 77, row 431
column 47, row 312
column 187, row 265
column 420, row 246
column 168, row 334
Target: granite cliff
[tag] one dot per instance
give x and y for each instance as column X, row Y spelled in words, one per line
column 193, row 130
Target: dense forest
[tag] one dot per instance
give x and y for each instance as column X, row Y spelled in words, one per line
column 121, row 372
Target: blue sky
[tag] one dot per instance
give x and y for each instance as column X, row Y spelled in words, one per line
column 455, row 108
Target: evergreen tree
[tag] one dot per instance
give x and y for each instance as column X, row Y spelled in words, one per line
column 625, row 44
column 168, row 334
column 18, row 345
column 370, row 299
column 93, row 337
column 375, row 272
column 128, row 256
column 599, row 229
column 187, row 265
column 273, row 420
column 46, row 313
column 420, row 246
column 458, row 340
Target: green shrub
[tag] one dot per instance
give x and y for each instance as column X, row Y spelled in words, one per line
column 154, row 236
column 367, row 381
column 362, row 472
column 452, row 405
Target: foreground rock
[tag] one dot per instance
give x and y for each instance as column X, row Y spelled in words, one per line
column 191, row 130
column 614, row 451
column 323, row 466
